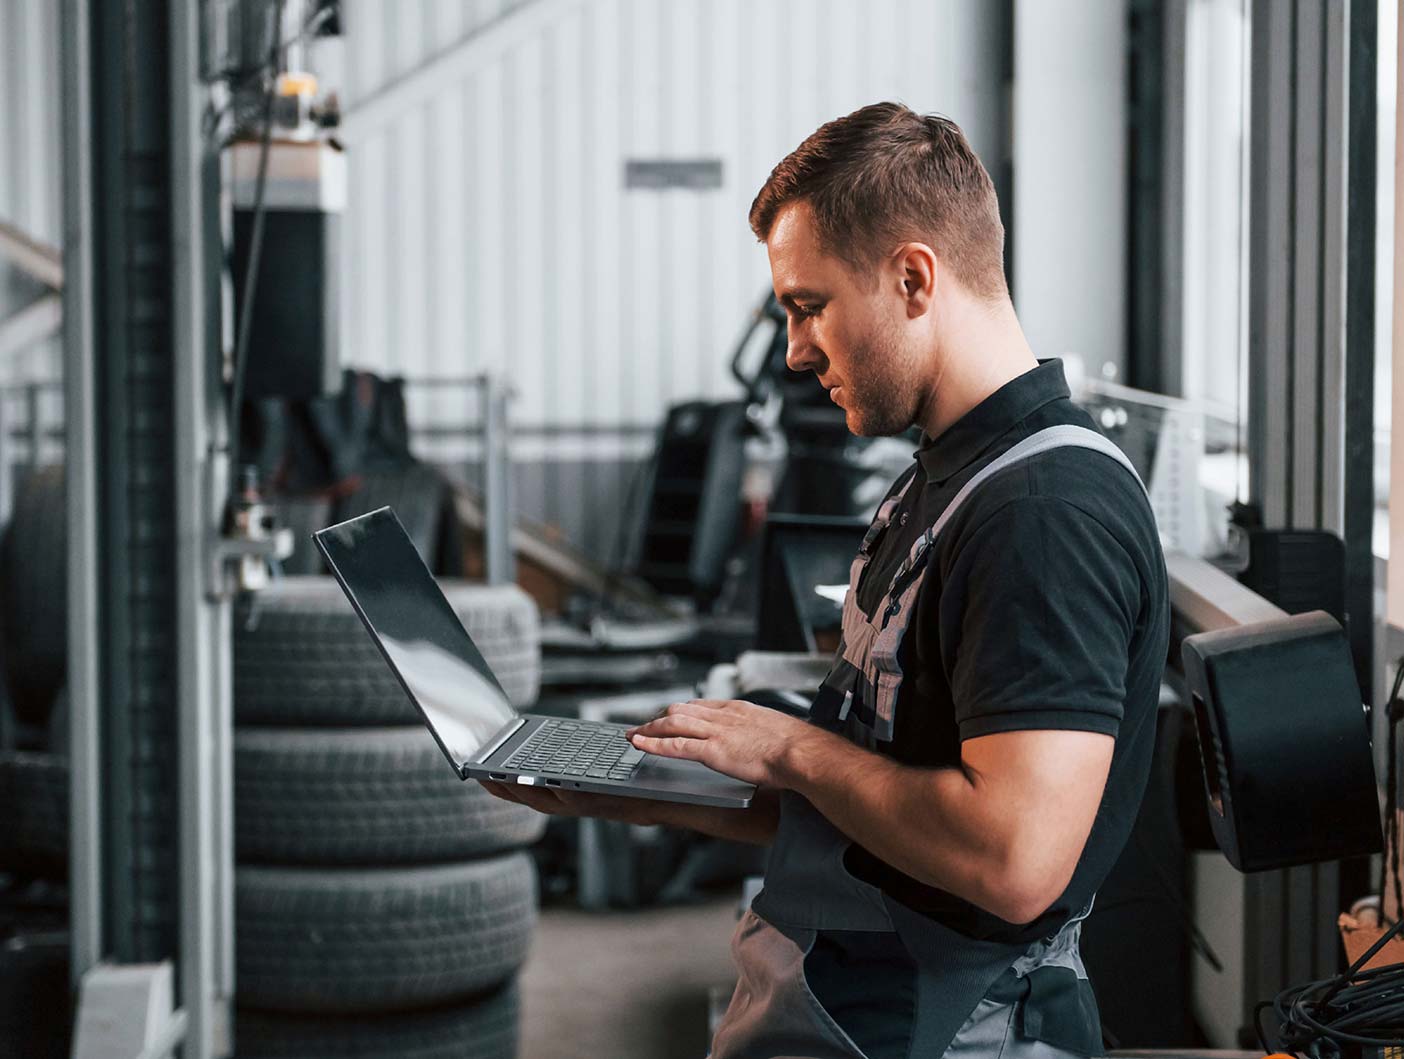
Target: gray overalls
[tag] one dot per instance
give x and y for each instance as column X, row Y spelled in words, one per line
column 974, row 997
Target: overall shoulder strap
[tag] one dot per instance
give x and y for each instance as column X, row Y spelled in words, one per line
column 1064, row 435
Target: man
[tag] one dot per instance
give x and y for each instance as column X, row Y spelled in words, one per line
column 977, row 755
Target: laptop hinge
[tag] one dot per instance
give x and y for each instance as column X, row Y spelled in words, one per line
column 491, row 749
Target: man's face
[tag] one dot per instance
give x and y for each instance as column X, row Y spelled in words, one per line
column 846, row 329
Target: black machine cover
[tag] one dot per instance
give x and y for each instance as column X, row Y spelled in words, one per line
column 1284, row 742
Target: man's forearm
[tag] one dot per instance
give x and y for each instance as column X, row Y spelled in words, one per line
column 1004, row 830
column 929, row 823
column 755, row 824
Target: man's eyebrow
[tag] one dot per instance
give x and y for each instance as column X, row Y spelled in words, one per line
column 796, row 294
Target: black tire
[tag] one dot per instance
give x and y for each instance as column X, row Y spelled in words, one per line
column 33, row 594
column 364, row 940
column 33, row 813
column 363, row 796
column 418, row 493
column 302, row 657
column 485, row 1028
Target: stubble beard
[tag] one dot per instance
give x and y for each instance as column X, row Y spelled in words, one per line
column 881, row 399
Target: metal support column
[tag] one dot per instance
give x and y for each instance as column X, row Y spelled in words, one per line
column 151, row 861
column 135, row 455
column 1311, row 282
column 204, row 635
column 1309, row 61
column 85, row 875
column 147, row 848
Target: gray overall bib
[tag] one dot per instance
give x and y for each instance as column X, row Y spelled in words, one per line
column 974, row 997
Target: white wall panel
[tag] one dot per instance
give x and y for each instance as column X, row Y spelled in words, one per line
column 30, row 177
column 1215, row 212
column 1069, row 281
column 490, row 228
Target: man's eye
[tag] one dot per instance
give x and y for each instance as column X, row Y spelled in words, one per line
column 808, row 310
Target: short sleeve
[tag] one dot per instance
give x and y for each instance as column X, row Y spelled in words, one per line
column 1038, row 609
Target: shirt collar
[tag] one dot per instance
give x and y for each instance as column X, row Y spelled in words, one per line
column 970, row 435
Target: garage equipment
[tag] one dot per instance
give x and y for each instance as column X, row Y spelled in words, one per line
column 293, row 348
column 355, row 450
column 800, row 555
column 693, row 502
column 1237, row 643
column 1298, row 569
column 1284, row 743
column 694, row 499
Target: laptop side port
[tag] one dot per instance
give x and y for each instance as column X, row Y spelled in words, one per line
column 553, row 783
column 497, row 775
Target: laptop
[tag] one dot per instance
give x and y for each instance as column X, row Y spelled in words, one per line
column 463, row 704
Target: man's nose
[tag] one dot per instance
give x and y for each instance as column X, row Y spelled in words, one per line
column 800, row 355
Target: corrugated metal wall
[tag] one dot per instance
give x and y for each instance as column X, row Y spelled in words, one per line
column 489, row 228
column 31, row 189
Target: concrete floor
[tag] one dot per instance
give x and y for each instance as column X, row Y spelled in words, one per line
column 629, row 985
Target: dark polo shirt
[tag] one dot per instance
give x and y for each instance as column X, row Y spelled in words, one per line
column 1045, row 606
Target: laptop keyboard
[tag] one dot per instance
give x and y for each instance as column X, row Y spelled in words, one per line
column 572, row 748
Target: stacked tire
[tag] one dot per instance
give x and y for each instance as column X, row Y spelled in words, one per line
column 33, row 596
column 33, row 656
column 383, row 906
column 36, row 1012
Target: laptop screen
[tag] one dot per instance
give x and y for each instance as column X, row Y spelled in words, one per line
column 418, row 631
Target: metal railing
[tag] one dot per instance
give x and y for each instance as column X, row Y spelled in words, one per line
column 491, row 427
column 30, row 435
column 26, row 439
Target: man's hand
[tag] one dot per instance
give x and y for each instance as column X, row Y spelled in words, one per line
column 755, row 825
column 557, row 802
column 742, row 740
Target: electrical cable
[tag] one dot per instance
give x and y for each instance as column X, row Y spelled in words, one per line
column 1393, row 710
column 1354, row 1007
column 1258, row 1009
column 241, row 343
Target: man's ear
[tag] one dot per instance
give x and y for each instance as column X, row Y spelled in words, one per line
column 919, row 272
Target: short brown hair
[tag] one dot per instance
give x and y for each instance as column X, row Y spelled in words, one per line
column 885, row 175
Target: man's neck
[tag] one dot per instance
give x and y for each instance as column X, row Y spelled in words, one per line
column 983, row 348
